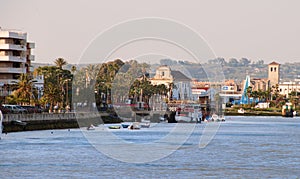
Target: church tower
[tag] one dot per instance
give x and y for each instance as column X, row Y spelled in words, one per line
column 273, row 73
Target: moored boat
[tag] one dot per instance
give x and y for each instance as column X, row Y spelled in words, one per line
column 19, row 123
column 91, row 127
column 241, row 111
column 134, row 125
column 125, row 125
column 145, row 125
column 114, row 127
column 217, row 118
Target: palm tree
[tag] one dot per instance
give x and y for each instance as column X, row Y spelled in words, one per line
column 255, row 95
column 24, row 91
column 248, row 93
column 73, row 69
column 60, row 62
column 51, row 95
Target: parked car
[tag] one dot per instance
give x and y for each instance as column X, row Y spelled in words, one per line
column 15, row 108
column 4, row 109
column 33, row 109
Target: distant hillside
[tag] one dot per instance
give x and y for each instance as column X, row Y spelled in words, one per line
column 232, row 68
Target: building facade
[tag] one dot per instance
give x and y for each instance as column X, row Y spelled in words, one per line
column 274, row 73
column 15, row 58
column 181, row 90
column 286, row 88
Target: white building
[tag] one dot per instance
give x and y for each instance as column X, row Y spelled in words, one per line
column 182, row 84
column 15, row 58
column 286, row 88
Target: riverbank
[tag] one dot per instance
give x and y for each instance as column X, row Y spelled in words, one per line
column 25, row 122
column 253, row 113
column 29, row 122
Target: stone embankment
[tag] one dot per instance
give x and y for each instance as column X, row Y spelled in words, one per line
column 44, row 121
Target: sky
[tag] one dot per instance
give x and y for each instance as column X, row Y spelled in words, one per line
column 258, row 29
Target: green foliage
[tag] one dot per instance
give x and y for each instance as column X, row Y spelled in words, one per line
column 24, row 92
column 56, row 82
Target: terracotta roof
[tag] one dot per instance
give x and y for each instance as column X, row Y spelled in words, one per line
column 178, row 76
column 274, row 63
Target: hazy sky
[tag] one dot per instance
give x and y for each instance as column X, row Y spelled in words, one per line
column 258, row 29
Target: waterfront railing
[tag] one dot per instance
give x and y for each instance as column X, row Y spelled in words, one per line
column 48, row 116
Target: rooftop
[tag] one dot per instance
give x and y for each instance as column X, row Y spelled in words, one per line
column 177, row 75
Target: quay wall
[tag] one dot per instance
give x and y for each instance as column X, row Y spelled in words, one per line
column 45, row 121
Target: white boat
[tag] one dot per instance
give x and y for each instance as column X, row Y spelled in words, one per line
column 214, row 117
column 183, row 118
column 134, row 125
column 1, row 119
column 295, row 113
column 241, row 111
column 217, row 118
column 145, row 124
column 91, row 127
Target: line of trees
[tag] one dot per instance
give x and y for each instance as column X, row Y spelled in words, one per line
column 272, row 95
column 56, row 91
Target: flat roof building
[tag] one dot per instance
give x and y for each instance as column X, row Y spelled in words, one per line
column 15, row 57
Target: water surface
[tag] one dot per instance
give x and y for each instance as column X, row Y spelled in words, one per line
column 244, row 147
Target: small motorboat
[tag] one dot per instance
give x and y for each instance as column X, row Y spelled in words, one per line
column 145, row 125
column 19, row 123
column 241, row 111
column 125, row 125
column 91, row 127
column 134, row 125
column 114, row 127
column 217, row 118
column 214, row 117
column 183, row 118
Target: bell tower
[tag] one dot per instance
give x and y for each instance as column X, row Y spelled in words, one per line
column 273, row 73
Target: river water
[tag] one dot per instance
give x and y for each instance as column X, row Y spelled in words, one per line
column 243, row 147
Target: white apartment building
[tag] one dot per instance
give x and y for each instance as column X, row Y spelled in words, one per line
column 15, row 58
column 285, row 88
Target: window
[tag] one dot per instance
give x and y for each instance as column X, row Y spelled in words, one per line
column 271, row 68
column 274, row 69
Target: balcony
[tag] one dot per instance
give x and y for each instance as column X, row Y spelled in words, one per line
column 31, row 57
column 12, row 70
column 30, row 45
column 12, row 47
column 13, row 34
column 13, row 59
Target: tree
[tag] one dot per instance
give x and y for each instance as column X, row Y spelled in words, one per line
column 248, row 93
column 255, row 95
column 275, row 92
column 60, row 62
column 73, row 69
column 55, row 87
column 233, row 62
column 25, row 93
column 244, row 62
column 221, row 61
